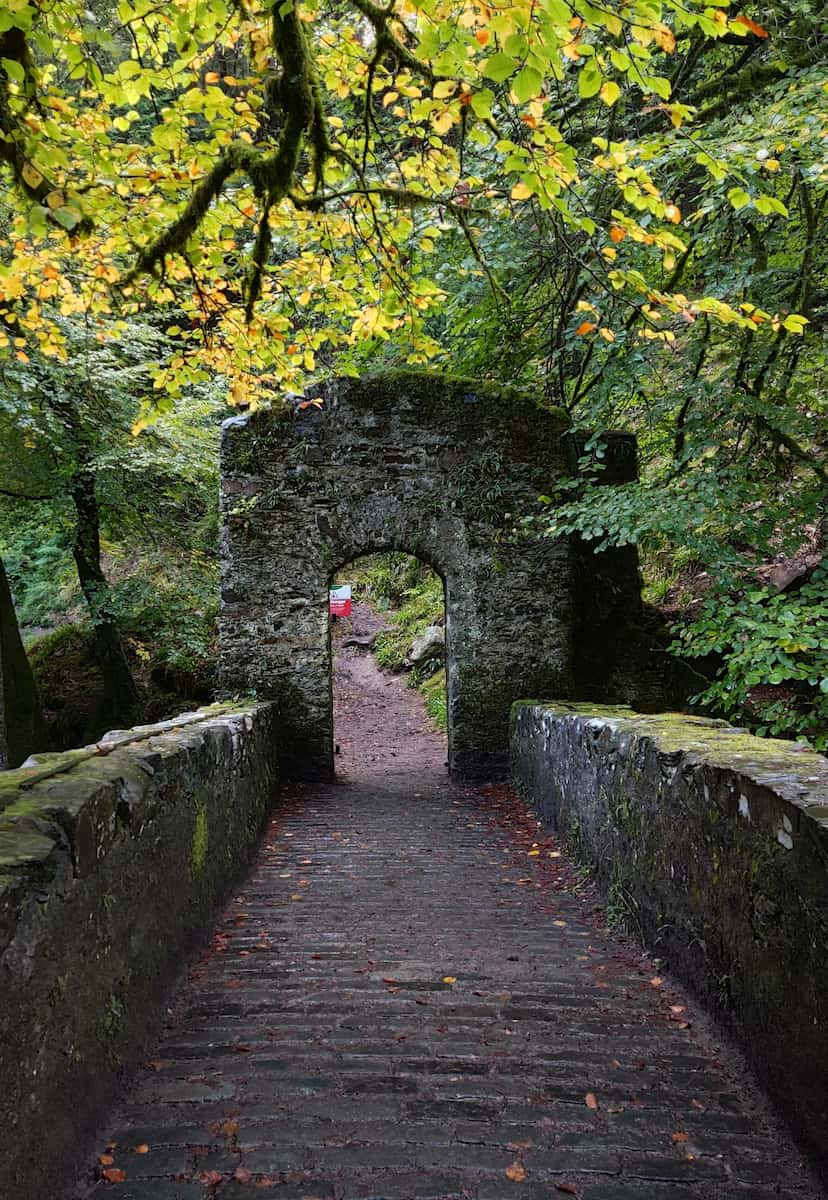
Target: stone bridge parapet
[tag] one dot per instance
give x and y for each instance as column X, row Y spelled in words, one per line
column 712, row 846
column 112, row 859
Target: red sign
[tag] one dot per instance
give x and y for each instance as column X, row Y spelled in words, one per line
column 340, row 602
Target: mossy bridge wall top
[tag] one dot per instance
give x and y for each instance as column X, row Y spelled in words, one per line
column 441, row 468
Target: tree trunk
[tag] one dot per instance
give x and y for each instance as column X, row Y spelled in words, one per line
column 22, row 729
column 120, row 693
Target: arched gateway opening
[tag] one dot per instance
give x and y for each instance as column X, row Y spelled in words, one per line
column 388, row 652
column 439, row 468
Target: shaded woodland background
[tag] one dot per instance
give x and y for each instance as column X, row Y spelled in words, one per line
column 711, row 347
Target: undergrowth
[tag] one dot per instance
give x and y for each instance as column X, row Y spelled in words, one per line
column 412, row 595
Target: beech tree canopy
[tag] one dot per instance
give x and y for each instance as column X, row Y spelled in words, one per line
column 282, row 174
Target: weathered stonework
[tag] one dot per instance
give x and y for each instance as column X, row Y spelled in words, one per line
column 112, row 860
column 441, row 468
column 712, row 845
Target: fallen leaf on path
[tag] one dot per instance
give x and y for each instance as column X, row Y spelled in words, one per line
column 679, row 1136
column 516, row 1172
column 114, row 1175
column 591, row 1100
column 569, row 1188
column 142, row 1149
column 106, row 1160
column 656, row 981
column 210, row 1178
column 242, row 1175
column 449, row 979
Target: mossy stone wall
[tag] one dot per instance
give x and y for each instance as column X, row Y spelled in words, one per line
column 112, row 860
column 712, row 845
column 442, row 468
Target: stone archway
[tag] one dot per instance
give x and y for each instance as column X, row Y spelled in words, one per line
column 440, row 468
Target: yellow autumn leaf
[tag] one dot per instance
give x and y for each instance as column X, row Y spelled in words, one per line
column 520, row 191
column 31, row 175
column 443, row 122
column 665, row 38
column 610, row 91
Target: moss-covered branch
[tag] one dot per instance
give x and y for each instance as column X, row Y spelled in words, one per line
column 271, row 175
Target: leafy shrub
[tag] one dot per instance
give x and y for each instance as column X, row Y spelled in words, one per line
column 775, row 648
column 434, row 690
column 384, row 579
column 41, row 573
column 168, row 617
column 422, row 605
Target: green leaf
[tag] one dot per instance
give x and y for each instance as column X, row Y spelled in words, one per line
column 768, row 204
column 659, row 85
column 481, row 103
column 589, row 81
column 559, row 11
column 527, row 84
column 499, row 67
column 13, row 69
column 67, row 216
column 738, row 198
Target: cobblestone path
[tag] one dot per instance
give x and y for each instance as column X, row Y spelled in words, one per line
column 414, row 995
column 402, row 1001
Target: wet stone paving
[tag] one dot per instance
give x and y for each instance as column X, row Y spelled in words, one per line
column 415, row 994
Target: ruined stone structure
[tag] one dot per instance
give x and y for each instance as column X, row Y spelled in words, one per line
column 443, row 469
